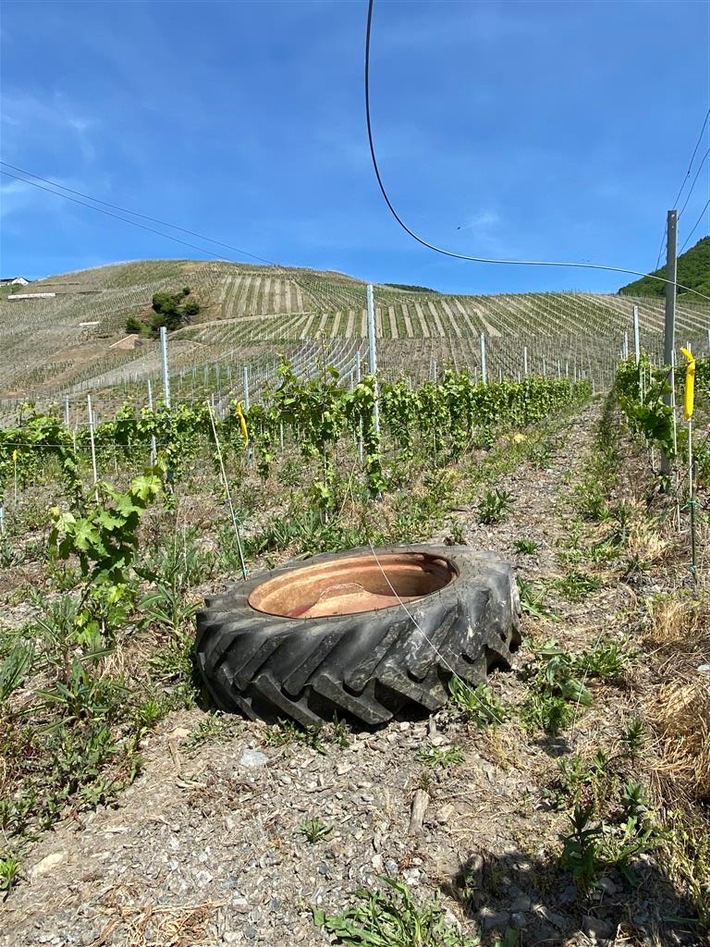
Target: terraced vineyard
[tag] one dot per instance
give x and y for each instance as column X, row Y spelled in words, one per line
column 74, row 342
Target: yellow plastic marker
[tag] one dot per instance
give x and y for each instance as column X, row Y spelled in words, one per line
column 689, row 384
column 242, row 422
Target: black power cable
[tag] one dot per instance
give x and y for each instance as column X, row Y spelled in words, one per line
column 695, row 180
column 464, row 256
column 57, row 190
column 695, row 226
column 133, row 213
column 692, row 159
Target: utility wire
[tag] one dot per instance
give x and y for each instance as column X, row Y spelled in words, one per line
column 682, row 187
column 692, row 186
column 662, row 247
column 464, row 256
column 695, row 226
column 692, row 158
column 133, row 213
column 108, row 213
column 308, row 290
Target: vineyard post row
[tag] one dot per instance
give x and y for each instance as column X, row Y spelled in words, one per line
column 585, row 359
column 444, row 419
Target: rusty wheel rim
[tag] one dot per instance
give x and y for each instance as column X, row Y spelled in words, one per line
column 352, row 585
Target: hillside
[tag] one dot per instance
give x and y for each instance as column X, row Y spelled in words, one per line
column 74, row 341
column 693, row 272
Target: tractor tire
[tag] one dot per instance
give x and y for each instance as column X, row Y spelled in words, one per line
column 331, row 637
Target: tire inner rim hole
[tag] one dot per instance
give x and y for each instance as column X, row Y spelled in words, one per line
column 352, row 585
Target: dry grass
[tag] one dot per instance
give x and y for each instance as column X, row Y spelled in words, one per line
column 679, row 708
column 645, row 543
column 174, row 926
column 679, row 623
column 681, row 717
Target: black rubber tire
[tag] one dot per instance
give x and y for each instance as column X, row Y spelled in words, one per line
column 368, row 665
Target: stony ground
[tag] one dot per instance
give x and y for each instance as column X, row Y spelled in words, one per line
column 209, row 844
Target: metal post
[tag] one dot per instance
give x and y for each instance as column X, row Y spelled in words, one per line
column 246, row 388
column 626, row 345
column 66, row 410
column 93, row 446
column 484, row 373
column 637, row 336
column 373, row 355
column 166, row 373
column 153, row 444
column 669, row 330
column 525, row 360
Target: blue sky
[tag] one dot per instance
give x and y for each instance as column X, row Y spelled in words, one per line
column 530, row 130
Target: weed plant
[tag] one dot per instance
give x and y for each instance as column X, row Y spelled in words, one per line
column 532, row 600
column 393, row 918
column 314, row 830
column 576, row 585
column 478, row 704
column 439, row 757
column 494, row 506
column 555, row 691
column 526, row 546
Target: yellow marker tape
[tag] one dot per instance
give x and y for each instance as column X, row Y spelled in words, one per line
column 14, row 456
column 689, row 384
column 242, row 422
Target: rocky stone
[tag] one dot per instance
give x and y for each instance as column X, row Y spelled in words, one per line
column 597, row 929
column 521, row 903
column 560, row 921
column 47, row 864
column 568, row 895
column 494, row 920
column 253, row 759
column 607, row 886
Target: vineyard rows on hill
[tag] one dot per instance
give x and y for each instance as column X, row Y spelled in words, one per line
column 71, row 344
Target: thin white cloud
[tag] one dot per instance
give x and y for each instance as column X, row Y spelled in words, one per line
column 14, row 196
column 22, row 197
column 55, row 121
column 482, row 222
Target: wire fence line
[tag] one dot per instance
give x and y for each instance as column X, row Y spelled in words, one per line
column 257, row 316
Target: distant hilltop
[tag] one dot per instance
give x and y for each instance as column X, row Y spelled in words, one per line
column 693, row 272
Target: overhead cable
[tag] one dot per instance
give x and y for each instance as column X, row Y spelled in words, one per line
column 108, row 213
column 695, row 225
column 682, row 187
column 692, row 158
column 133, row 213
column 464, row 256
column 662, row 247
column 58, row 189
column 692, row 186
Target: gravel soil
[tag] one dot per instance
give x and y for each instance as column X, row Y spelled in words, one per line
column 207, row 846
